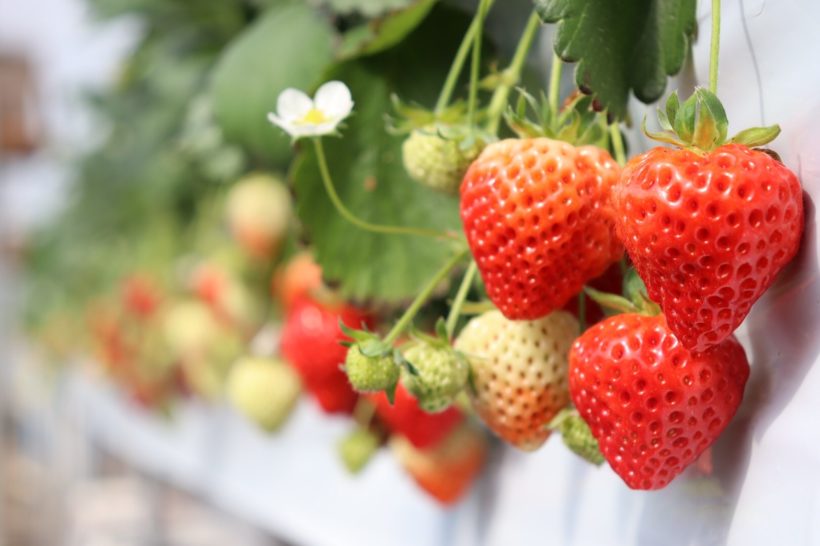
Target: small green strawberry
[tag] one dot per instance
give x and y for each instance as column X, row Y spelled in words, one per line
column 436, row 373
column 368, row 373
column 265, row 390
column 437, row 161
column 577, row 436
column 357, row 448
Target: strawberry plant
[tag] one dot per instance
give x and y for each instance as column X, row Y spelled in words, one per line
column 442, row 241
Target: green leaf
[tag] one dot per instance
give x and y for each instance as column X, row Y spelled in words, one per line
column 289, row 46
column 366, row 165
column 369, row 175
column 368, row 8
column 621, row 45
column 379, row 34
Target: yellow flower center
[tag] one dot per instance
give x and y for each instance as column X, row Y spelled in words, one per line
column 313, row 117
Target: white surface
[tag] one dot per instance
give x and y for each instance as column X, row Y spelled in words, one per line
column 291, row 484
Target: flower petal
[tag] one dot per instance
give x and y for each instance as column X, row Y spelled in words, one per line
column 334, row 100
column 279, row 122
column 293, row 104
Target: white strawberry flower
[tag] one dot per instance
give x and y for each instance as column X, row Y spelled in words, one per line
column 300, row 116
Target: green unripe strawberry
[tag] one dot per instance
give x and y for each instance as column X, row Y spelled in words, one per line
column 370, row 373
column 578, row 437
column 436, row 376
column 357, row 448
column 264, row 390
column 436, row 161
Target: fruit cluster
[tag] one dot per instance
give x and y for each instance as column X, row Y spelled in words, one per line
column 601, row 294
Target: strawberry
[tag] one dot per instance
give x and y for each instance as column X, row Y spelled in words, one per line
column 447, row 470
column 370, row 373
column 258, row 213
column 435, row 160
column 653, row 405
column 296, row 280
column 439, row 374
column 519, row 373
column 265, row 390
column 311, row 342
column 405, row 417
column 357, row 448
column 140, row 295
column 535, row 218
column 708, row 233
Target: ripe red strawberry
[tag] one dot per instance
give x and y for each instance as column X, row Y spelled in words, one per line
column 535, row 217
column 519, row 373
column 311, row 342
column 708, row 233
column 653, row 406
column 446, row 470
column 405, row 417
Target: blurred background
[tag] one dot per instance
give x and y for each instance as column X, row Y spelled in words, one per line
column 148, row 242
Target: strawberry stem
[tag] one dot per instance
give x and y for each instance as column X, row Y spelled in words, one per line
column 417, row 303
column 617, row 144
column 458, row 62
column 355, row 220
column 461, row 295
column 499, row 100
column 476, row 61
column 555, row 83
column 714, row 52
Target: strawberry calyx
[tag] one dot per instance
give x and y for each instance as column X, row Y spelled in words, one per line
column 576, row 123
column 700, row 124
column 451, row 124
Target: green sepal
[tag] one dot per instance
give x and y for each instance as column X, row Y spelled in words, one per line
column 390, row 392
column 670, row 112
column 711, row 124
column 399, row 359
column 577, row 123
column 684, row 122
column 756, row 136
column 611, row 301
column 410, row 116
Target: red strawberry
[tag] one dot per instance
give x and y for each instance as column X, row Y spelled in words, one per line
column 296, row 280
column 405, row 417
column 311, row 342
column 140, row 295
column 446, row 470
column 708, row 233
column 653, row 406
column 535, row 217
